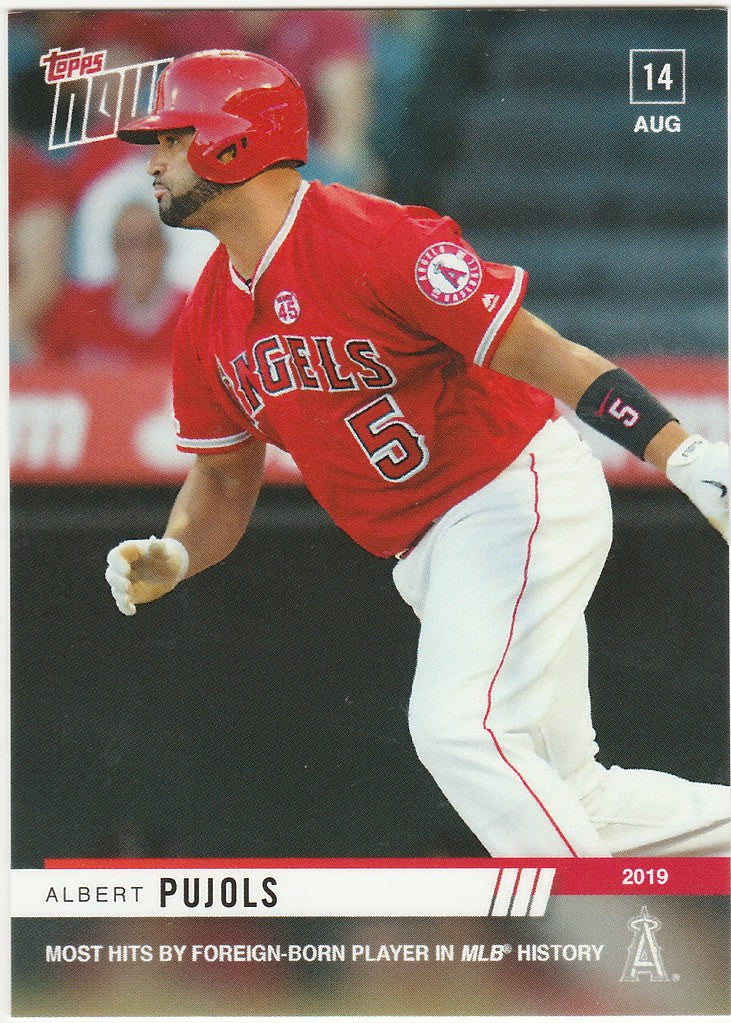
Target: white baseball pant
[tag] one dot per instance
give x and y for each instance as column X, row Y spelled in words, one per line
column 499, row 711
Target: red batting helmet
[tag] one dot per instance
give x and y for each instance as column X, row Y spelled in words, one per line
column 248, row 113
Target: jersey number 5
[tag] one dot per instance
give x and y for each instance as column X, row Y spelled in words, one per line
column 392, row 446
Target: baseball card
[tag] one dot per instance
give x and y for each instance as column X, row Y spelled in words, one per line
column 368, row 581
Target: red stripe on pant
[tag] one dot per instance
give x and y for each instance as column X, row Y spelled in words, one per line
column 529, row 551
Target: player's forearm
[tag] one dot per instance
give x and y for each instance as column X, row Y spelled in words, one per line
column 538, row 355
column 213, row 507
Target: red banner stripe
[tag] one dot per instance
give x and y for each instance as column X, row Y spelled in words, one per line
column 600, row 876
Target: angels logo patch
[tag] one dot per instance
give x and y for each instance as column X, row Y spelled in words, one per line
column 448, row 274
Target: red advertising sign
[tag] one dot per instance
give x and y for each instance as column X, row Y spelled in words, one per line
column 110, row 426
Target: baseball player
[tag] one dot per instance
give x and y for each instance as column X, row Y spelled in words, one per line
column 416, row 395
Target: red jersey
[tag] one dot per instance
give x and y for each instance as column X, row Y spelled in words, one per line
column 361, row 347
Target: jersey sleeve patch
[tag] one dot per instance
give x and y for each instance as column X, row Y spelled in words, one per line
column 433, row 282
column 447, row 273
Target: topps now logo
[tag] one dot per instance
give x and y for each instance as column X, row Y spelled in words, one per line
column 61, row 66
column 448, row 274
column 90, row 101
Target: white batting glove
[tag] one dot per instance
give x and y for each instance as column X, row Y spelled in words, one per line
column 701, row 470
column 139, row 571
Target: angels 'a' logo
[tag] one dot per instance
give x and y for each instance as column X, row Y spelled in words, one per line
column 644, row 955
column 447, row 273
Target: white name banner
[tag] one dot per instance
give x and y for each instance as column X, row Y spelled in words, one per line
column 285, row 892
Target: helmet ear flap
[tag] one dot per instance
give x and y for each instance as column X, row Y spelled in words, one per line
column 230, row 152
column 218, row 152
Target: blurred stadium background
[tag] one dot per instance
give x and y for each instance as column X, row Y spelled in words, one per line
column 261, row 709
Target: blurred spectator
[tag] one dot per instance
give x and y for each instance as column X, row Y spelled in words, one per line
column 130, row 320
column 100, row 178
column 37, row 231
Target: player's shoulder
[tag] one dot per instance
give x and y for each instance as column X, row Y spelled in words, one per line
column 212, row 277
column 198, row 308
column 364, row 219
column 215, row 267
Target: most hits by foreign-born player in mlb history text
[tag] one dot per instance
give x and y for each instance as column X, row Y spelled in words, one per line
column 216, row 807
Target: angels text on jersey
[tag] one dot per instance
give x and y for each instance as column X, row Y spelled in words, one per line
column 280, row 364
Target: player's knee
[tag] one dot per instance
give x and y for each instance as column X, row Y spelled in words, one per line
column 422, row 727
column 434, row 724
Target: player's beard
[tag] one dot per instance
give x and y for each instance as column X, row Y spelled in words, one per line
column 180, row 207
